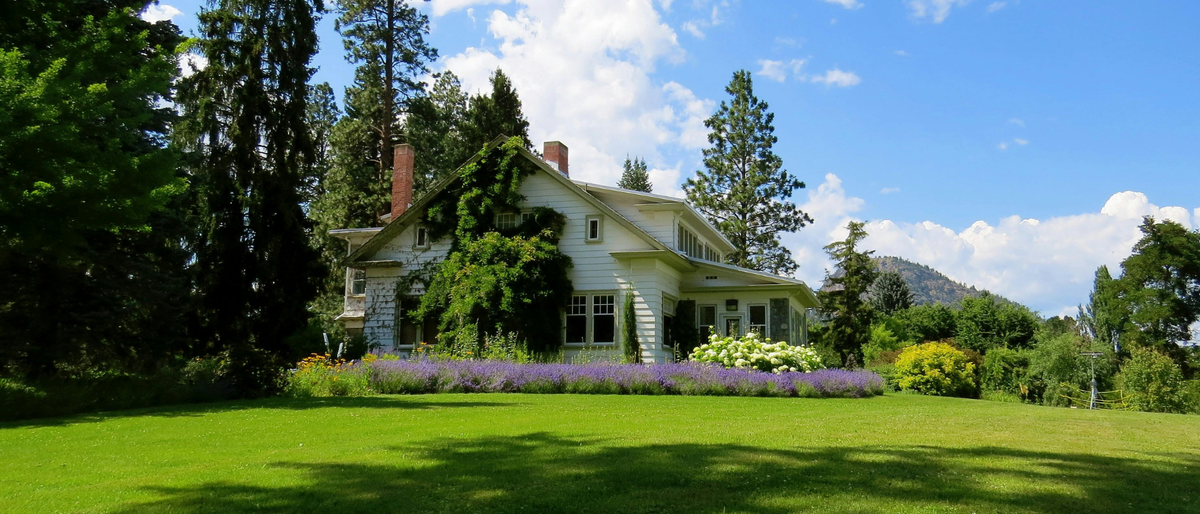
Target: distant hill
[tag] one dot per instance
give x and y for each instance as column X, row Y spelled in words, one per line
column 927, row 284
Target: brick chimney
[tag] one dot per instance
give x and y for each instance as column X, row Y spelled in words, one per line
column 402, row 180
column 556, row 154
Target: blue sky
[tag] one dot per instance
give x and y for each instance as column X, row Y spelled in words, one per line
column 938, row 120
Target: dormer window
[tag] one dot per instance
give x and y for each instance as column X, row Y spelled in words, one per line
column 595, row 229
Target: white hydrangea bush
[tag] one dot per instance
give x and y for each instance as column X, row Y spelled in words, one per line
column 752, row 351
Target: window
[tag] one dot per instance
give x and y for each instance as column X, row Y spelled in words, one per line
column 577, row 320
column 604, row 318
column 733, row 326
column 526, row 217
column 358, row 281
column 692, row 246
column 506, row 220
column 707, row 315
column 595, row 229
column 421, row 238
column 758, row 319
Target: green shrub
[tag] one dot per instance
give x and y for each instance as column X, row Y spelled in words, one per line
column 1152, row 382
column 888, row 373
column 1191, row 397
column 1005, row 371
column 936, row 369
column 882, row 341
column 1057, row 370
column 322, row 375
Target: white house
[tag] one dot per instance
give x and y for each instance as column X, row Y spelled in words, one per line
column 658, row 247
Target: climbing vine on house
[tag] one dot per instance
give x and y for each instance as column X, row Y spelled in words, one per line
column 496, row 281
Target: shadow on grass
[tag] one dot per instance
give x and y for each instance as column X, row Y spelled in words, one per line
column 545, row 473
column 203, row 409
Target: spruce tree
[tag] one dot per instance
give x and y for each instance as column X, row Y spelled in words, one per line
column 843, row 299
column 890, row 294
column 497, row 114
column 744, row 189
column 635, row 177
column 1104, row 316
column 245, row 127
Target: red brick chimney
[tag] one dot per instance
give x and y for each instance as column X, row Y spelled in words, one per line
column 556, row 154
column 402, row 180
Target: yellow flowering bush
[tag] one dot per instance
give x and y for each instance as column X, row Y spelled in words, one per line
column 935, row 369
column 752, row 351
column 323, row 375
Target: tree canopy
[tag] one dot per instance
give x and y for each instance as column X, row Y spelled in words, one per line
column 635, row 177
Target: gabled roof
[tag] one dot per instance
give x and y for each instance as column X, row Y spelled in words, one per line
column 397, row 225
column 651, row 201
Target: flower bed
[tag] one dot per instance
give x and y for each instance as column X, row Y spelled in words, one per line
column 751, row 352
column 429, row 376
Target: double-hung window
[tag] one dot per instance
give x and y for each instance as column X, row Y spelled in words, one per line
column 592, row 318
column 506, row 220
column 577, row 319
column 420, row 238
column 707, row 315
column 358, row 281
column 594, row 227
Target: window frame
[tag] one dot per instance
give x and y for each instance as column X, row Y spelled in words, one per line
column 352, row 279
column 587, row 228
column 751, row 325
column 589, row 315
column 514, row 218
column 419, row 233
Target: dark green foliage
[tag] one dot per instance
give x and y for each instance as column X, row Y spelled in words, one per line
column 437, row 129
column 631, row 346
column 635, row 177
column 889, row 293
column 498, row 114
column 386, row 40
column 925, row 323
column 245, row 128
column 1152, row 382
column 91, row 271
column 843, row 301
column 496, row 283
column 1056, row 368
column 983, row 324
column 1160, row 287
column 744, row 189
column 1006, row 371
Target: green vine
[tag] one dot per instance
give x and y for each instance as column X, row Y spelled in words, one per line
column 494, row 282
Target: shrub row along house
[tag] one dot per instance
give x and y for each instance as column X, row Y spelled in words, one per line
column 657, row 247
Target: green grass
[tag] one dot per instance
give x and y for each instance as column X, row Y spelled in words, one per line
column 565, row 453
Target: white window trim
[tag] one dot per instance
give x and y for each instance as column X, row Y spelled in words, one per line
column 590, row 313
column 766, row 325
column 587, row 228
column 516, row 220
column 350, row 282
column 416, row 238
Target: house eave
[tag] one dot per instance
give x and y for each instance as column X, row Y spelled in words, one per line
column 669, row 257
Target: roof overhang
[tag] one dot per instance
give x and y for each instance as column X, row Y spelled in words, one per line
column 669, row 257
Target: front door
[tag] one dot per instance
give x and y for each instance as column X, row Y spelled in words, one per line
column 733, row 326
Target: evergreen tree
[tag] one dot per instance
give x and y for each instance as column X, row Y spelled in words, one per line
column 744, row 189
column 437, row 130
column 890, row 294
column 635, row 177
column 1160, row 287
column 497, row 114
column 386, row 40
column 843, row 299
column 245, row 124
column 1103, row 317
column 87, row 266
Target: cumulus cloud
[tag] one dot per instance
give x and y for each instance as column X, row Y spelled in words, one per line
column 1047, row 264
column 849, row 4
column 836, row 77
column 933, row 10
column 155, row 13
column 779, row 70
column 583, row 70
column 190, row 63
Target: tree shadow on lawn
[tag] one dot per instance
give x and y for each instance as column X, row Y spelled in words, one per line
column 546, row 473
column 204, row 409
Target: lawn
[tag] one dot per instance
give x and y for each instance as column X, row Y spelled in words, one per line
column 575, row 453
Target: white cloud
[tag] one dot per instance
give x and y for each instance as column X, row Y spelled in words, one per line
column 889, row 190
column 1002, row 146
column 778, row 70
column 839, row 78
column 901, row 53
column 155, row 13
column 1017, row 121
column 1020, row 141
column 934, row 10
column 583, row 70
column 693, row 28
column 849, row 4
column 786, row 41
column 1046, row 264
column 190, row 63
column 995, row 6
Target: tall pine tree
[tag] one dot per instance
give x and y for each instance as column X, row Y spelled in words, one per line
column 496, row 114
column 844, row 299
column 437, row 129
column 246, row 115
column 744, row 189
column 635, row 177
